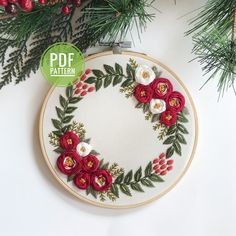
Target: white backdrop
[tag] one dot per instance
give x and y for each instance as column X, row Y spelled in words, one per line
column 203, row 203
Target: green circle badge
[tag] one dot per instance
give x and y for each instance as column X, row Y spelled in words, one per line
column 62, row 64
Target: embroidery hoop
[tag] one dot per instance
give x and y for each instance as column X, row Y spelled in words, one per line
column 42, row 113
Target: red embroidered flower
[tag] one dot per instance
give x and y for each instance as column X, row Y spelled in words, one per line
column 168, row 118
column 175, row 102
column 69, row 141
column 143, row 93
column 82, row 180
column 69, row 162
column 90, row 163
column 101, row 180
column 162, row 88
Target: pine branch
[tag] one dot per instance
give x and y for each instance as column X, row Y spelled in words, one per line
column 112, row 20
column 45, row 25
column 214, row 42
column 59, row 30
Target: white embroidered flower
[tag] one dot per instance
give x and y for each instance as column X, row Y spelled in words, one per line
column 157, row 106
column 84, row 149
column 144, row 75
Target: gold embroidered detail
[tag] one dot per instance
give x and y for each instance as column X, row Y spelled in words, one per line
column 90, row 164
column 146, row 75
column 69, row 162
column 69, row 141
column 168, row 117
column 143, row 94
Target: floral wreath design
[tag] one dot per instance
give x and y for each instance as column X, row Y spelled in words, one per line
column 163, row 106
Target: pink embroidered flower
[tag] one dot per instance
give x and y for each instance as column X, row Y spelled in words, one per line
column 69, row 141
column 90, row 163
column 82, row 180
column 168, row 118
column 101, row 180
column 162, row 88
column 143, row 93
column 176, row 102
column 69, row 162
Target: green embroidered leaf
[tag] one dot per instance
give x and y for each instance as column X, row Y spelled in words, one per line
column 67, row 119
column 169, row 140
column 171, row 130
column 59, row 150
column 147, row 183
column 98, row 73
column 155, row 118
column 107, row 81
column 177, row 148
column 181, row 139
column 69, row 91
column 109, row 69
column 70, row 177
column 70, row 110
column 115, row 190
column 105, row 166
column 119, row 179
column 100, row 163
column 117, row 80
column 65, row 128
column 137, row 187
column 58, row 133
column 185, row 111
column 56, row 123
column 148, row 169
column 60, row 113
column 88, row 140
column 138, row 174
column 155, row 178
column 75, row 100
column 170, row 152
column 139, row 105
column 182, row 129
column 98, row 84
column 63, row 101
column 127, row 83
column 182, row 118
column 146, row 107
column 87, row 191
column 128, row 177
column 93, row 192
column 119, row 69
column 125, row 189
column 91, row 80
column 95, row 153
column 130, row 72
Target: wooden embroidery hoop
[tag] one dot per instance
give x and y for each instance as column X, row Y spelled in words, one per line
column 129, row 53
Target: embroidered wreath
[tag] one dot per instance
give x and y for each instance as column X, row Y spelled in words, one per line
column 163, row 106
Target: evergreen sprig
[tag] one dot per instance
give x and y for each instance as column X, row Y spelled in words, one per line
column 29, row 34
column 214, row 36
column 110, row 20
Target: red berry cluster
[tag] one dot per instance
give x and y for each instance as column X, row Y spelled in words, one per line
column 67, row 8
column 82, row 89
column 162, row 165
column 12, row 6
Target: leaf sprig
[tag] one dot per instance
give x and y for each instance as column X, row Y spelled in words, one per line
column 112, row 76
column 64, row 112
column 175, row 135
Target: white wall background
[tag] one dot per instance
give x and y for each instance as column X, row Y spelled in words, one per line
column 203, row 203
